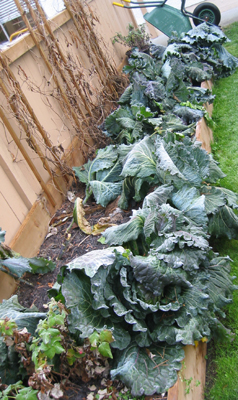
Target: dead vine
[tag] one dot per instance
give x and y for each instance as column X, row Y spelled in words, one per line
column 80, row 93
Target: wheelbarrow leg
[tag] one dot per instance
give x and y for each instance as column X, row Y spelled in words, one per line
column 183, row 6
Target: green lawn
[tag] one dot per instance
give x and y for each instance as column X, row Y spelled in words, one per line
column 224, row 385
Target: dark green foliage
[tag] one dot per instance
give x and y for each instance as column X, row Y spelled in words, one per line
column 164, row 96
column 168, row 298
column 15, row 265
column 165, row 287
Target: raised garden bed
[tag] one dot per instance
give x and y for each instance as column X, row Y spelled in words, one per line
column 159, row 139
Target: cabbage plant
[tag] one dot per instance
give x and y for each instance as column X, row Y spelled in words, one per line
column 153, row 304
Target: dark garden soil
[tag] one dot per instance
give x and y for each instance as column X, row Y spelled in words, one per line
column 62, row 246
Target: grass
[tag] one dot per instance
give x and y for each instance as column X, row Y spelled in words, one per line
column 223, row 385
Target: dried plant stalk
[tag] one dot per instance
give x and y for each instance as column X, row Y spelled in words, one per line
column 24, row 100
column 94, row 38
column 59, row 51
column 66, row 84
column 50, row 69
column 90, row 42
column 14, row 104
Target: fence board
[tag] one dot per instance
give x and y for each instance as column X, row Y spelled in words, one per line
column 14, row 200
column 16, row 177
column 24, row 187
column 8, row 219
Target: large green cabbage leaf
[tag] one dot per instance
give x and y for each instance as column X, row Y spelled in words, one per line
column 102, row 175
column 148, row 371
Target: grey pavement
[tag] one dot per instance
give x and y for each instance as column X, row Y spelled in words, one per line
column 228, row 17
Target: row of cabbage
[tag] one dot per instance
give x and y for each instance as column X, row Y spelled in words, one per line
column 157, row 283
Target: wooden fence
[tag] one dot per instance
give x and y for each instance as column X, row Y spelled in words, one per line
column 51, row 80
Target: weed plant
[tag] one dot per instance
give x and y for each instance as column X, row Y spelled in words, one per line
column 225, row 150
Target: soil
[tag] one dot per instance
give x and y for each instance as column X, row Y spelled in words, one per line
column 58, row 245
column 62, row 246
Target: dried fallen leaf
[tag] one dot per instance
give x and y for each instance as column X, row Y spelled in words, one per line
column 104, row 382
column 92, row 388
column 99, row 370
column 151, row 355
column 56, row 392
column 60, row 219
column 124, row 390
column 101, row 393
column 71, row 196
column 43, row 396
column 9, row 341
column 102, row 225
column 52, row 231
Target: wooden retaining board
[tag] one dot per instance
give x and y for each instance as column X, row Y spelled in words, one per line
column 191, row 379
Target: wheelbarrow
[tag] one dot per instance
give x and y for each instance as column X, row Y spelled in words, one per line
column 169, row 19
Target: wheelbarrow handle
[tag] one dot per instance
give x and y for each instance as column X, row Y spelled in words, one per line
column 119, row 4
column 140, row 4
column 148, row 2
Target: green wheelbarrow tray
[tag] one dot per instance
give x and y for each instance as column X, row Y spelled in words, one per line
column 168, row 19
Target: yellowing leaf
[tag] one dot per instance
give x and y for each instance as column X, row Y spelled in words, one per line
column 78, row 216
column 101, row 226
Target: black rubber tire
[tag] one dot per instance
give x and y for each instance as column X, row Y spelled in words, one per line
column 207, row 12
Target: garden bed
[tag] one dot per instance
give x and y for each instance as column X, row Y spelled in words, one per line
column 57, row 246
column 60, row 248
column 33, row 291
column 165, row 280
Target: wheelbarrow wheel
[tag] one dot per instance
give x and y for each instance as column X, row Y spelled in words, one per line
column 207, row 12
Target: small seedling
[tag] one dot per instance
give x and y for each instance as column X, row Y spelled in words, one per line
column 137, row 37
